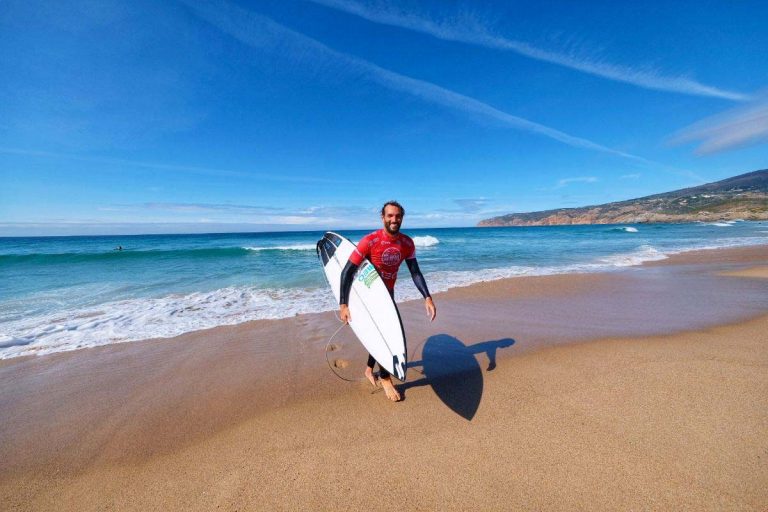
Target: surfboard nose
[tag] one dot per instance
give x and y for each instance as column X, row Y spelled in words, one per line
column 325, row 249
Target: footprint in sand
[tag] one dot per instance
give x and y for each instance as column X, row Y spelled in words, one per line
column 333, row 347
column 340, row 363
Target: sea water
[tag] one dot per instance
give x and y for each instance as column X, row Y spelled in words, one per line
column 67, row 293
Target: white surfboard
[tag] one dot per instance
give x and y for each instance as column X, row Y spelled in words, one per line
column 375, row 319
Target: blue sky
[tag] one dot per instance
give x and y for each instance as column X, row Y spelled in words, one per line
column 212, row 116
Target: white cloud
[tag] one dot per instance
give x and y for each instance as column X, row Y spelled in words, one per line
column 584, row 179
column 738, row 127
column 475, row 33
column 630, row 176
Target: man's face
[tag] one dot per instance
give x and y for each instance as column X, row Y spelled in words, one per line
column 392, row 219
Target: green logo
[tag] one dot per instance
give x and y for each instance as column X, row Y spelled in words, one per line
column 367, row 275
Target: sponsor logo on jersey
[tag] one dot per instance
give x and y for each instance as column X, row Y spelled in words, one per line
column 367, row 275
column 391, row 257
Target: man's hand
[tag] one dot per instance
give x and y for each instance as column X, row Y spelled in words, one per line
column 431, row 308
column 344, row 314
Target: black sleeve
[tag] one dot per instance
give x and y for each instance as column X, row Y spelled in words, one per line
column 347, row 276
column 418, row 279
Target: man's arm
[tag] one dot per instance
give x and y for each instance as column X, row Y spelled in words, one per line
column 421, row 285
column 347, row 276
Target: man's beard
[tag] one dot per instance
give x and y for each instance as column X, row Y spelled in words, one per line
column 389, row 229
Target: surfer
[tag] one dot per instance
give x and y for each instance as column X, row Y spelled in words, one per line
column 386, row 249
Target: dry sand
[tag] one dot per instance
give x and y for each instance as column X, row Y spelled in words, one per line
column 761, row 272
column 553, row 393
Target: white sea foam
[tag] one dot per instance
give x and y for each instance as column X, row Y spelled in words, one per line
column 445, row 280
column 720, row 224
column 645, row 253
column 7, row 341
column 136, row 319
column 723, row 243
column 297, row 247
column 624, row 229
column 425, row 241
column 442, row 281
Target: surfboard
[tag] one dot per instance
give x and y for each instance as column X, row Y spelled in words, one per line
column 375, row 319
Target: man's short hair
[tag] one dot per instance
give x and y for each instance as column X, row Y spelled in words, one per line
column 393, row 203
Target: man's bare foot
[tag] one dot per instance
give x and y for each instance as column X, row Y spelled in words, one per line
column 389, row 389
column 370, row 376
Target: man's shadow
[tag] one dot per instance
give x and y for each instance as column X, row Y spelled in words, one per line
column 452, row 370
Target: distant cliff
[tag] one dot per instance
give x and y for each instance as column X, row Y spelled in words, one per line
column 741, row 197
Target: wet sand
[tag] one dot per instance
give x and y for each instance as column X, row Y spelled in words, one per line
column 644, row 389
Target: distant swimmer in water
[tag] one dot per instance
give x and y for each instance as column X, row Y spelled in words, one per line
column 119, row 248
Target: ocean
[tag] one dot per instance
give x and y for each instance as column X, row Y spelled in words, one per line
column 68, row 293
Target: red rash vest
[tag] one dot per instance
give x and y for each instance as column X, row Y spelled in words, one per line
column 386, row 252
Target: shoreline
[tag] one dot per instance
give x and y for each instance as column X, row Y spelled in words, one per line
column 77, row 422
column 729, row 255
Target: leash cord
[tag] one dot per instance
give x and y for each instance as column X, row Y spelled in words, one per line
column 331, row 366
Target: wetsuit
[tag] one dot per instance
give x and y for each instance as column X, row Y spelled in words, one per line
column 386, row 252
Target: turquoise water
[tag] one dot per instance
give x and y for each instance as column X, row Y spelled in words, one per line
column 65, row 293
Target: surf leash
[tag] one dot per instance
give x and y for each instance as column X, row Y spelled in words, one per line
column 332, row 366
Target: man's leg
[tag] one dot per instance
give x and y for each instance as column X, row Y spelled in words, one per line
column 385, row 377
column 389, row 387
column 369, row 370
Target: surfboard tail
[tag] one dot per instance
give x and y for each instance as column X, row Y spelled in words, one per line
column 399, row 364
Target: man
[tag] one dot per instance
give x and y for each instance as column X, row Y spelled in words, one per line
column 386, row 249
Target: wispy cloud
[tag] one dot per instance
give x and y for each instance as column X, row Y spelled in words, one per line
column 115, row 228
column 256, row 214
column 159, row 217
column 194, row 208
column 476, row 34
column 468, row 211
column 146, row 218
column 583, row 179
column 284, row 177
column 738, row 127
column 262, row 32
column 323, row 211
column 630, row 176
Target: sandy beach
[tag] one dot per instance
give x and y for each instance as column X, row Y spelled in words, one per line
column 645, row 389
